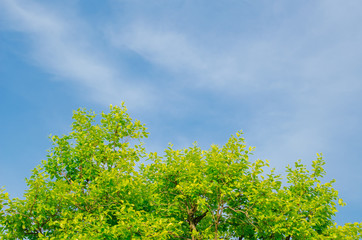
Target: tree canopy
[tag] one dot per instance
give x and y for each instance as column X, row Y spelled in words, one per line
column 92, row 186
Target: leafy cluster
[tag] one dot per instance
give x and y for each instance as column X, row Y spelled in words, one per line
column 89, row 188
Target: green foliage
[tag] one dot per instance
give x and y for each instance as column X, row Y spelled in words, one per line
column 88, row 188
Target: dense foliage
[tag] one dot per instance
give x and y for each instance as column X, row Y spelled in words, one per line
column 89, row 188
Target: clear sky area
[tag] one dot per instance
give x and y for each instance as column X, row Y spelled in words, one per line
column 287, row 73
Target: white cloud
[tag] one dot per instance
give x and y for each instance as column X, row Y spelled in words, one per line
column 166, row 48
column 176, row 52
column 61, row 45
column 308, row 62
column 296, row 62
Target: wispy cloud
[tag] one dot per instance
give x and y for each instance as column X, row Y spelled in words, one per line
column 61, row 45
column 302, row 69
column 176, row 52
column 301, row 76
column 166, row 48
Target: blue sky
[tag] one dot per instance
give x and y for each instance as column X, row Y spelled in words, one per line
column 285, row 72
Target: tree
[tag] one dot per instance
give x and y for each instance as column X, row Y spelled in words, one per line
column 89, row 188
